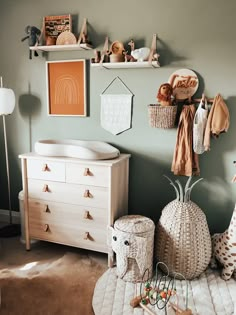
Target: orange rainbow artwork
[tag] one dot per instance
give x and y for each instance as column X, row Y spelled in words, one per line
column 66, row 88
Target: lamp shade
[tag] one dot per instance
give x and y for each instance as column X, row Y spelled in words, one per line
column 7, row 101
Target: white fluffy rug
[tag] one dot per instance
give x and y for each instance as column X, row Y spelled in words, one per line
column 208, row 295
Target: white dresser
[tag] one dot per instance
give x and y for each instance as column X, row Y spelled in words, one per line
column 72, row 201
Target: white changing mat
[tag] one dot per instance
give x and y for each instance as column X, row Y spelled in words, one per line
column 208, row 295
column 81, row 149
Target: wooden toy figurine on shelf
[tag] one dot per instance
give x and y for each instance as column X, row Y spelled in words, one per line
column 141, row 57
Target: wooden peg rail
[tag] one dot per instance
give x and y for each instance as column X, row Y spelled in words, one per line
column 209, row 100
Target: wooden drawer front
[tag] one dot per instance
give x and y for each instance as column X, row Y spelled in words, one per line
column 44, row 169
column 89, row 238
column 87, row 174
column 71, row 214
column 89, row 196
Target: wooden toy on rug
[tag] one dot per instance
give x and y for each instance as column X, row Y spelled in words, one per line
column 156, row 293
column 179, row 311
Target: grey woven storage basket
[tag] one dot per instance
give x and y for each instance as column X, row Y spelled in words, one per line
column 133, row 243
column 162, row 116
column 183, row 239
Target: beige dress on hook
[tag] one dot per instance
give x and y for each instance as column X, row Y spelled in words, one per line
column 185, row 160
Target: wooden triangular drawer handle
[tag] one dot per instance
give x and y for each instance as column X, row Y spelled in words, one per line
column 46, row 228
column 47, row 209
column 45, row 188
column 45, row 168
column 86, row 235
column 86, row 214
column 87, row 194
column 87, row 172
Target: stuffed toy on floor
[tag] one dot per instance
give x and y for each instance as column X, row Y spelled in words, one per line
column 224, row 249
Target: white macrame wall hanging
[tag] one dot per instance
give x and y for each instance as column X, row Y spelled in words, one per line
column 116, row 110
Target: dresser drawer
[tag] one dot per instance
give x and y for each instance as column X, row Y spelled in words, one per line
column 45, row 169
column 90, row 196
column 89, row 238
column 48, row 212
column 70, row 201
column 87, row 174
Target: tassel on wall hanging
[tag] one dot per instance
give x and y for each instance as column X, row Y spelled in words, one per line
column 116, row 110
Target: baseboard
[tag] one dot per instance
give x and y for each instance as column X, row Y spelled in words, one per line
column 4, row 216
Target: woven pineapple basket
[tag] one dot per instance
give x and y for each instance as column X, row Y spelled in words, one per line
column 162, row 116
column 182, row 239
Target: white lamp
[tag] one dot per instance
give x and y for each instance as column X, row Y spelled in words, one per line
column 7, row 105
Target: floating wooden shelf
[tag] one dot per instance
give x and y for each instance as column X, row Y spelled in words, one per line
column 62, row 47
column 119, row 65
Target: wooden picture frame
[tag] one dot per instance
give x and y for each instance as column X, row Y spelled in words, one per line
column 66, row 87
column 54, row 25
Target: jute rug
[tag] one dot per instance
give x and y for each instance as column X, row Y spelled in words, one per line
column 50, row 279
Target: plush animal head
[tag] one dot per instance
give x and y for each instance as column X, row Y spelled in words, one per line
column 33, row 34
column 164, row 93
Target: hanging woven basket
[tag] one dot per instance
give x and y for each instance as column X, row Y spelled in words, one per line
column 182, row 239
column 162, row 116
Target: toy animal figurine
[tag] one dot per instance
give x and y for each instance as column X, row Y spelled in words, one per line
column 164, row 94
column 33, row 34
column 129, row 57
column 224, row 249
column 141, row 54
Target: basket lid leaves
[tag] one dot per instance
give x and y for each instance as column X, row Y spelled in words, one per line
column 183, row 194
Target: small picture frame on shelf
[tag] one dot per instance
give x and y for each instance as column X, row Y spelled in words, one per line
column 55, row 25
column 66, row 87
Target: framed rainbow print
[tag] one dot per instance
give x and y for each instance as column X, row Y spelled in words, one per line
column 66, row 87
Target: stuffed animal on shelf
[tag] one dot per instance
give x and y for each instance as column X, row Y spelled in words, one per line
column 33, row 34
column 164, row 94
column 224, row 249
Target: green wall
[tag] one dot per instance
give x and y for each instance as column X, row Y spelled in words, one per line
column 199, row 35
